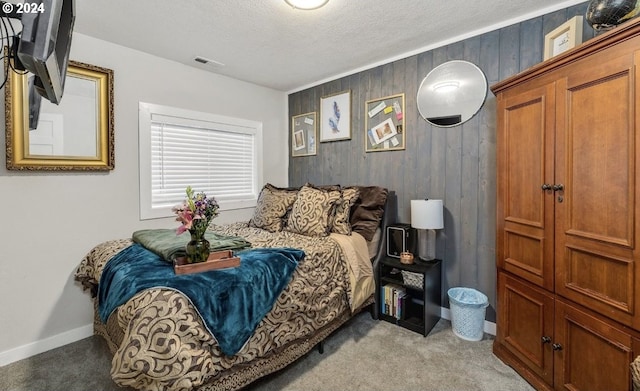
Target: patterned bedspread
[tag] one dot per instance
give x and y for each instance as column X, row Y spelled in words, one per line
column 164, row 344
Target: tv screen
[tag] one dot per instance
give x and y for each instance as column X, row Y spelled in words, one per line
column 446, row 121
column 44, row 44
column 34, row 104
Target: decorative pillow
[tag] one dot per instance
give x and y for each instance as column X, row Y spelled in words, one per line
column 368, row 210
column 341, row 223
column 311, row 212
column 272, row 207
column 329, row 188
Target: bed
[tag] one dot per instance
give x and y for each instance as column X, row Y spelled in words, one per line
column 161, row 340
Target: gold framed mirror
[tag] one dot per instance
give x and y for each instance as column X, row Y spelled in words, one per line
column 76, row 135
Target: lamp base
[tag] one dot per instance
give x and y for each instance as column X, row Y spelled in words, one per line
column 426, row 244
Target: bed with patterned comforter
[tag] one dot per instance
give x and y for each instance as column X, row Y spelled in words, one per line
column 159, row 340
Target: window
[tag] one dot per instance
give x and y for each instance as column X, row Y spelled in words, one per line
column 213, row 154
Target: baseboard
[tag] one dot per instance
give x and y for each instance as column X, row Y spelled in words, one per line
column 489, row 327
column 43, row 345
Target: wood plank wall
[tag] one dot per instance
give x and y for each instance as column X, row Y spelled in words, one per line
column 455, row 164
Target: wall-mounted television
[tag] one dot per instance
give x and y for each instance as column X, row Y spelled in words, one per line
column 43, row 45
column 34, row 103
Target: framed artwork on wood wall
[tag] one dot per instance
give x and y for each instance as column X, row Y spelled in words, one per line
column 384, row 124
column 304, row 134
column 335, row 117
column 566, row 36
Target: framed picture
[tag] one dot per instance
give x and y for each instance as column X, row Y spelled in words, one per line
column 384, row 124
column 304, row 134
column 335, row 117
column 568, row 35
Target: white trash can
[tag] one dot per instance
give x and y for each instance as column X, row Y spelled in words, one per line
column 468, row 308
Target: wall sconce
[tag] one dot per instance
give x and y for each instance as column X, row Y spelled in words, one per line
column 426, row 217
column 306, row 4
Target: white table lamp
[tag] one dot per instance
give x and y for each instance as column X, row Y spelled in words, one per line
column 426, row 217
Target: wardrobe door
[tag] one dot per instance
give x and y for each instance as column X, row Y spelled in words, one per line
column 526, row 120
column 590, row 352
column 525, row 326
column 597, row 164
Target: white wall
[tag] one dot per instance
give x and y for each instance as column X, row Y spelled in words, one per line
column 51, row 220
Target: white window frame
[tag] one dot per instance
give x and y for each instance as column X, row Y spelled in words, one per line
column 148, row 111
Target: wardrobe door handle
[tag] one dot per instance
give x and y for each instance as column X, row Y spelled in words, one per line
column 546, row 186
column 546, row 339
column 556, row 346
column 559, row 187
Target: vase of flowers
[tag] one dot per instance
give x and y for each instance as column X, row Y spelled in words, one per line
column 195, row 214
column 198, row 249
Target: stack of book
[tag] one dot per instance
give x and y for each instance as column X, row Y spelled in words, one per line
column 393, row 299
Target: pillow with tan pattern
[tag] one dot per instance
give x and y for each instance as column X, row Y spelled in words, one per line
column 272, row 207
column 329, row 188
column 312, row 210
column 341, row 223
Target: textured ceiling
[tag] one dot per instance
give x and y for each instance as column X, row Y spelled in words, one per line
column 266, row 42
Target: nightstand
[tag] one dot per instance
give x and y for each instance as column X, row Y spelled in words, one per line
column 411, row 305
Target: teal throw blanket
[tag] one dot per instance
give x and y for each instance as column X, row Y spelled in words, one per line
column 169, row 246
column 231, row 302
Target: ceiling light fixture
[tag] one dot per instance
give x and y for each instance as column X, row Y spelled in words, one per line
column 306, row 4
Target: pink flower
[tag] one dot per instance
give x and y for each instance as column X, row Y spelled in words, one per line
column 186, row 218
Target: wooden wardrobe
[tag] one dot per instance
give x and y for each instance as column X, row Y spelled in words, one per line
column 568, row 216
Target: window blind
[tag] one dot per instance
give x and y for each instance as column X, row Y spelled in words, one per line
column 217, row 162
column 217, row 157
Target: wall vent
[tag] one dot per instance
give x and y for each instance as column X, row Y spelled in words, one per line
column 208, row 61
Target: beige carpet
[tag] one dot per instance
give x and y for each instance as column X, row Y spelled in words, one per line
column 365, row 354
column 376, row 355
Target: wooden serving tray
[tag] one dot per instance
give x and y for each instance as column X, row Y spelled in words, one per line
column 217, row 260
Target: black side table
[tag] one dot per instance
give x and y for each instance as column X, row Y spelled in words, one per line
column 422, row 305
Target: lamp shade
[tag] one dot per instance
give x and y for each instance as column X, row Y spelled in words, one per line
column 427, row 214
